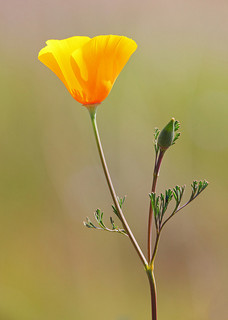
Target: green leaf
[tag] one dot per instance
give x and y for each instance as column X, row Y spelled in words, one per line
column 197, row 188
column 121, row 202
column 178, row 194
column 98, row 214
column 176, row 133
column 159, row 205
column 176, row 125
column 99, row 217
column 88, row 223
column 156, row 134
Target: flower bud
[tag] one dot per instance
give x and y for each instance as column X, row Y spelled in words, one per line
column 166, row 136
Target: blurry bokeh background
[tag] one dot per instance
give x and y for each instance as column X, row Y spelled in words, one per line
column 51, row 266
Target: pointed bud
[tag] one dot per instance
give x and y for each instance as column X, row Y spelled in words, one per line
column 166, row 136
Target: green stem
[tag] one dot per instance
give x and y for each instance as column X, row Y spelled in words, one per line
column 153, row 293
column 92, row 111
column 155, row 249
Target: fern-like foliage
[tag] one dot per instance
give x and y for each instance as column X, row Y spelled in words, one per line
column 160, row 203
column 197, row 188
column 176, row 133
column 156, row 134
column 121, row 202
column 98, row 215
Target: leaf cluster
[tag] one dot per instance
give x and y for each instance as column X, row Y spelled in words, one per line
column 98, row 215
column 121, row 202
column 160, row 203
column 197, row 188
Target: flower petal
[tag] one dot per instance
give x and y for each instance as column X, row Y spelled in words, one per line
column 47, row 58
column 97, row 64
column 56, row 56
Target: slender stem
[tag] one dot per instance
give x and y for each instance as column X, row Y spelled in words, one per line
column 153, row 294
column 159, row 232
column 155, row 248
column 92, row 112
column 154, row 183
column 151, row 256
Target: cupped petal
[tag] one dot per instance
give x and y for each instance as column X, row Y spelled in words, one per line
column 56, row 56
column 97, row 64
column 48, row 59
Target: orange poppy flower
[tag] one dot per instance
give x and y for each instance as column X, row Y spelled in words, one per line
column 88, row 67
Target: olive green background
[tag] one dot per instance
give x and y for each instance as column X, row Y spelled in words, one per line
column 51, row 266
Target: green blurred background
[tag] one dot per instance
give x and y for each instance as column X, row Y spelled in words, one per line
column 51, row 266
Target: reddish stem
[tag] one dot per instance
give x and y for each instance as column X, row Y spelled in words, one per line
column 154, row 183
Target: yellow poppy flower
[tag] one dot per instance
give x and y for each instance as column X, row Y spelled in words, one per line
column 88, row 67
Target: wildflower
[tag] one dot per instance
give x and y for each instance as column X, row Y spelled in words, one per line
column 88, row 67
